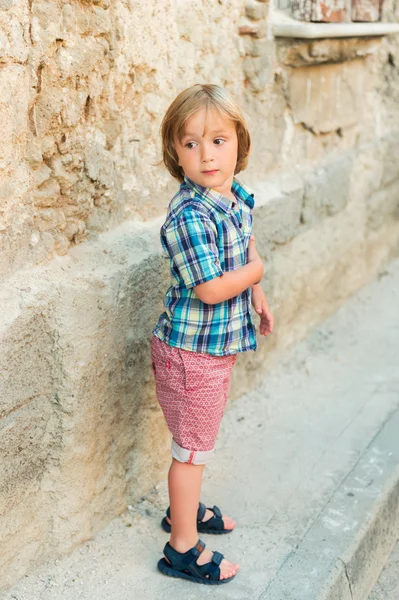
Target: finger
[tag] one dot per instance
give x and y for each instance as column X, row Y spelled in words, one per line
column 271, row 323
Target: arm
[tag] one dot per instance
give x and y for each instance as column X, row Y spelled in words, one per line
column 191, row 241
column 232, row 283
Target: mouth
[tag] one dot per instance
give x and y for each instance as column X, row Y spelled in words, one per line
column 210, row 172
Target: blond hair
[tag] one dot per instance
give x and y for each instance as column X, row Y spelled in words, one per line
column 184, row 106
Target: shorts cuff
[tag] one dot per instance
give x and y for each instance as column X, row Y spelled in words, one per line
column 192, row 457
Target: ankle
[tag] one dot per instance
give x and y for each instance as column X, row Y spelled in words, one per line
column 182, row 544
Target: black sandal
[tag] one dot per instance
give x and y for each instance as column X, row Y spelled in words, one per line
column 214, row 525
column 184, row 565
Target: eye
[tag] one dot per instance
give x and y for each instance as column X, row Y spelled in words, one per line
column 190, row 145
column 219, row 141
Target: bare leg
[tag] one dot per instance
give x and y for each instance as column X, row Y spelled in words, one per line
column 184, row 495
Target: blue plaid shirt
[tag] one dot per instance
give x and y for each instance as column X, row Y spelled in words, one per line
column 205, row 235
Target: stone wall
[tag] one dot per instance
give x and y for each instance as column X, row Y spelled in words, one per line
column 84, row 86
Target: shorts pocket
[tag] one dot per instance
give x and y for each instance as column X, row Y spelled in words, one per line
column 167, row 365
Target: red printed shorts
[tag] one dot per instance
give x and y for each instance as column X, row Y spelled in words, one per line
column 192, row 390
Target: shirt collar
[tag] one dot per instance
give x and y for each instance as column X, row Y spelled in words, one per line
column 215, row 199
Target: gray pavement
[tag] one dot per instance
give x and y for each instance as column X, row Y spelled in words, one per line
column 286, row 454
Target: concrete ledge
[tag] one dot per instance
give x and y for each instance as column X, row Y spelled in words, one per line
column 344, row 551
column 286, row 27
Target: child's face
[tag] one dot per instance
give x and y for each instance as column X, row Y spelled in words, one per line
column 207, row 151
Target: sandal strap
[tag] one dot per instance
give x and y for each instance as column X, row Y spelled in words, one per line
column 198, row 548
column 201, row 512
column 211, row 570
column 217, row 512
column 215, row 523
column 217, row 558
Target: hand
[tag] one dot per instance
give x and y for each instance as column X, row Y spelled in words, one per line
column 252, row 251
column 261, row 307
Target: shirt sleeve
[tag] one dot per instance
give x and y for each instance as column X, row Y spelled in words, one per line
column 191, row 241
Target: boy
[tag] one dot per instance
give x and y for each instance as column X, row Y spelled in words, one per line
column 216, row 272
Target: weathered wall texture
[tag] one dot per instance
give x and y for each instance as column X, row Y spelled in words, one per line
column 83, row 86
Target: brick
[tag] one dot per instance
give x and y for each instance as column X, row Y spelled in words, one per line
column 255, row 29
column 330, row 11
column 255, row 10
column 365, row 10
column 301, row 9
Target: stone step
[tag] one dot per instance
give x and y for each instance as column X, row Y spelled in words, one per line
column 307, row 465
column 387, row 586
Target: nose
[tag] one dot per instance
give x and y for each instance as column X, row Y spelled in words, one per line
column 206, row 153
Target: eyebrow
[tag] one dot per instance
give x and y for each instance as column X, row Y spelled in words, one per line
column 215, row 132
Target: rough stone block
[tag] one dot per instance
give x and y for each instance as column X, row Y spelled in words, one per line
column 295, row 53
column 46, row 194
column 257, row 47
column 12, row 43
column 257, row 71
column 103, row 3
column 28, row 444
column 26, row 340
column 327, row 190
column 13, row 110
column 327, row 97
column 278, row 211
column 50, row 218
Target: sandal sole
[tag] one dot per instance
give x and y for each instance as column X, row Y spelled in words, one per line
column 166, row 527
column 164, row 567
